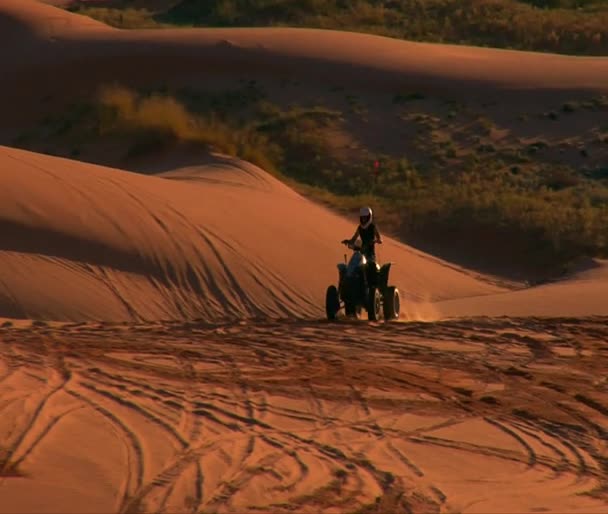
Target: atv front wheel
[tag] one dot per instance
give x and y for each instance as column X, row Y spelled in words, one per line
column 332, row 302
column 392, row 303
column 374, row 304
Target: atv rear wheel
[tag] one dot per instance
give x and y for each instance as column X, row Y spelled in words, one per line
column 374, row 304
column 392, row 303
column 332, row 302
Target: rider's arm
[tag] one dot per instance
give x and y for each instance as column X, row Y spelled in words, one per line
column 378, row 236
column 352, row 239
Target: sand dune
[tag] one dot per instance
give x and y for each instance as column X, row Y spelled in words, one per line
column 189, row 257
column 29, row 20
column 198, row 398
column 319, row 54
column 48, row 43
column 86, row 242
column 582, row 294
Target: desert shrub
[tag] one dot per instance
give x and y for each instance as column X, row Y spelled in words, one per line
column 125, row 18
column 162, row 118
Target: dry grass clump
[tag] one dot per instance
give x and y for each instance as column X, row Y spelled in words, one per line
column 157, row 117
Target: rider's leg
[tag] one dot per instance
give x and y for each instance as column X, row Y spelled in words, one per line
column 372, row 272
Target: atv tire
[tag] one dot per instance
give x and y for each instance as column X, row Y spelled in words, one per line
column 392, row 303
column 374, row 304
column 332, row 303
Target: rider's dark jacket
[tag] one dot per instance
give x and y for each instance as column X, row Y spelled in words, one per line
column 368, row 237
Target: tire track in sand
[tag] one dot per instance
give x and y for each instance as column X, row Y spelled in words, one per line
column 310, row 375
column 58, row 377
column 135, row 456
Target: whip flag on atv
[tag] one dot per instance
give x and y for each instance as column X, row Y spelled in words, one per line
column 362, row 284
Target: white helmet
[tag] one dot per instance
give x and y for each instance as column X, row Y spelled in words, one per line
column 365, row 216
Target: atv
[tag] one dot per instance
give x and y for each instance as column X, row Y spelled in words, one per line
column 362, row 285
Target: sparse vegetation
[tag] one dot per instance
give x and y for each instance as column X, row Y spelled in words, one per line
column 472, row 191
column 507, row 200
column 127, row 18
column 159, row 119
column 572, row 27
column 407, row 97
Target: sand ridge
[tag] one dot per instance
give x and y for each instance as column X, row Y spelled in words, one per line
column 88, row 242
column 88, row 51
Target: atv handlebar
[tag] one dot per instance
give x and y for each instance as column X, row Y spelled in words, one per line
column 353, row 246
column 350, row 245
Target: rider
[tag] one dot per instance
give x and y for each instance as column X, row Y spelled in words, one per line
column 369, row 234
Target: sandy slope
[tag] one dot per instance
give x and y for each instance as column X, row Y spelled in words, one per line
column 325, row 54
column 581, row 294
column 31, row 20
column 473, row 415
column 488, row 416
column 222, row 241
column 246, row 259
column 46, row 42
